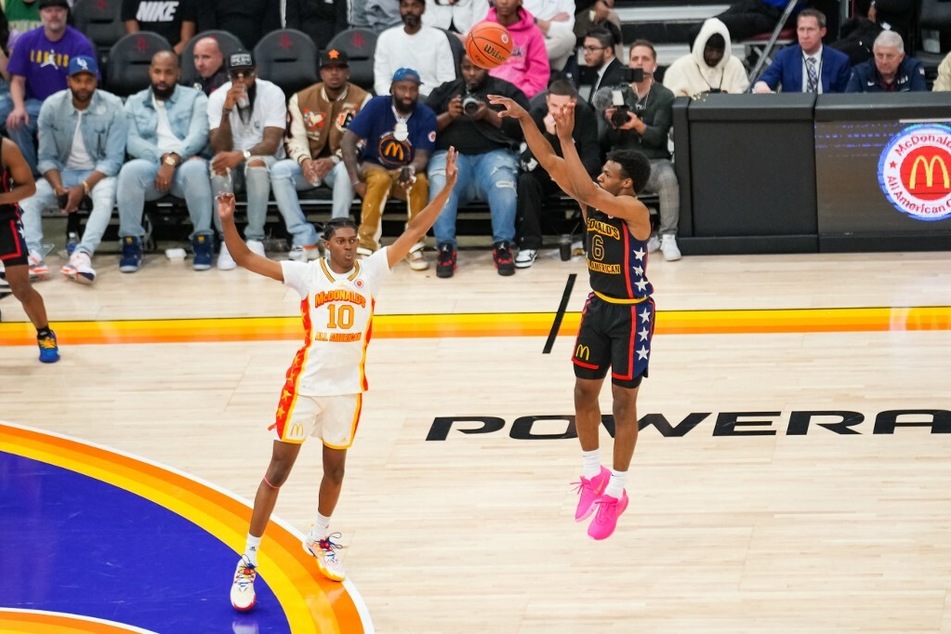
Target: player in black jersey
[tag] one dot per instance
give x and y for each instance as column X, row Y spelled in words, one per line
column 16, row 183
column 617, row 322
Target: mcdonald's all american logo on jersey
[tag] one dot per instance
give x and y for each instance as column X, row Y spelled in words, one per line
column 914, row 171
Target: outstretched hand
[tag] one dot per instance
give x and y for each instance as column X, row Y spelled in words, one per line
column 225, row 205
column 451, row 170
column 510, row 108
column 564, row 120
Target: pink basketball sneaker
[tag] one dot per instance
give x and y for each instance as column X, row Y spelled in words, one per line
column 605, row 521
column 590, row 491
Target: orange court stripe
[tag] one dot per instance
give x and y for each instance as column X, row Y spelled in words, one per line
column 676, row 322
column 32, row 621
column 311, row 603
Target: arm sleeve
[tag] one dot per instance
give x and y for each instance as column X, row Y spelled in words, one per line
column 298, row 148
column 136, row 146
column 197, row 137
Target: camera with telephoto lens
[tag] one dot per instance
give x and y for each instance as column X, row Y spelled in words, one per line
column 470, row 105
column 621, row 110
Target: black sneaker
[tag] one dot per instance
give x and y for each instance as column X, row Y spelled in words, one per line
column 446, row 262
column 502, row 255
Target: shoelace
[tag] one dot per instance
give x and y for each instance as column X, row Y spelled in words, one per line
column 585, row 483
column 245, row 574
column 328, row 546
column 605, row 507
column 47, row 343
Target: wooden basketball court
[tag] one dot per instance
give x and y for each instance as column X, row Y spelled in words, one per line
column 792, row 473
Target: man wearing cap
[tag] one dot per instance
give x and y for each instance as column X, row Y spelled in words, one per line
column 319, row 116
column 82, row 146
column 168, row 128
column 400, row 135
column 37, row 69
column 246, row 117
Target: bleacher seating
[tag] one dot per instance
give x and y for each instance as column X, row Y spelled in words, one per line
column 288, row 58
column 127, row 69
column 100, row 21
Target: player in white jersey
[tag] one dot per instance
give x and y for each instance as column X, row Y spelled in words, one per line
column 323, row 392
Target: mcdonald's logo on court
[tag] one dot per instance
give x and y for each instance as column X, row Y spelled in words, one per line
column 914, row 171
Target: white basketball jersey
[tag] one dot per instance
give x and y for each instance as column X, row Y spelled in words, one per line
column 337, row 309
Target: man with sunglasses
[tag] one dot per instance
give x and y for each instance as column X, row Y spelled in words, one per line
column 246, row 117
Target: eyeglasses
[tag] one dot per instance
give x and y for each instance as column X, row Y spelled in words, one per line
column 591, row 49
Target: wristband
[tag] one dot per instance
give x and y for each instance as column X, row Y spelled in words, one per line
column 85, row 188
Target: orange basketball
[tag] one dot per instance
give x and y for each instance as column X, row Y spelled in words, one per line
column 488, row 45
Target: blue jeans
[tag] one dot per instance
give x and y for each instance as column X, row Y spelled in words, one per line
column 489, row 177
column 137, row 185
column 103, row 197
column 256, row 181
column 25, row 135
column 287, row 178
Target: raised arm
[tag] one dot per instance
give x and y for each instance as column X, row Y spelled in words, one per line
column 587, row 192
column 418, row 227
column 242, row 255
column 542, row 150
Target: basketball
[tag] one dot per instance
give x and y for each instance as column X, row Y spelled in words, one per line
column 488, row 45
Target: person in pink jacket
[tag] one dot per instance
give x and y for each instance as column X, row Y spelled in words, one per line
column 528, row 66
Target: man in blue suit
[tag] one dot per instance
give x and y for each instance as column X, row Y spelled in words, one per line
column 807, row 66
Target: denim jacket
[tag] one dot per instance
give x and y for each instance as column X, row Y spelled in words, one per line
column 187, row 111
column 103, row 130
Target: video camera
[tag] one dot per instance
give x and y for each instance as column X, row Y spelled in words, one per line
column 470, row 104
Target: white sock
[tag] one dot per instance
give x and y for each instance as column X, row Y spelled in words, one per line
column 251, row 549
column 591, row 463
column 615, row 487
column 321, row 527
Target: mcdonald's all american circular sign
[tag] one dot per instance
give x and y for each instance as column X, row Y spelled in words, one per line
column 914, row 171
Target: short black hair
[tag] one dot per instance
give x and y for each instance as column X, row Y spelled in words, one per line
column 634, row 165
column 562, row 87
column 331, row 226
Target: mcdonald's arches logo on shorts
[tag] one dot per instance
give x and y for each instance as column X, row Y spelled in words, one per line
column 914, row 171
column 583, row 352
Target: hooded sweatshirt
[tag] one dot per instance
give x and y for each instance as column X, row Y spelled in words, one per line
column 690, row 76
column 527, row 67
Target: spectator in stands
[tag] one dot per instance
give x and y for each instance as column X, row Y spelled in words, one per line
column 82, row 146
column 175, row 20
column 487, row 161
column 376, row 15
column 807, row 66
column 320, row 19
column 643, row 123
column 412, row 45
column 603, row 68
column 746, row 18
column 319, row 117
column 23, row 15
column 590, row 15
column 528, row 66
column 710, row 67
column 246, row 118
column 457, row 16
column 38, row 68
column 534, row 183
column 890, row 70
column 943, row 82
column 249, row 20
column 210, row 64
column 6, row 102
column 556, row 19
column 168, row 128
column 399, row 135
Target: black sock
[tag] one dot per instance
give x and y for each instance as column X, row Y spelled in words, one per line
column 44, row 332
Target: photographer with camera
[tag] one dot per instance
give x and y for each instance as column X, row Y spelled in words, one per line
column 487, row 161
column 639, row 116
